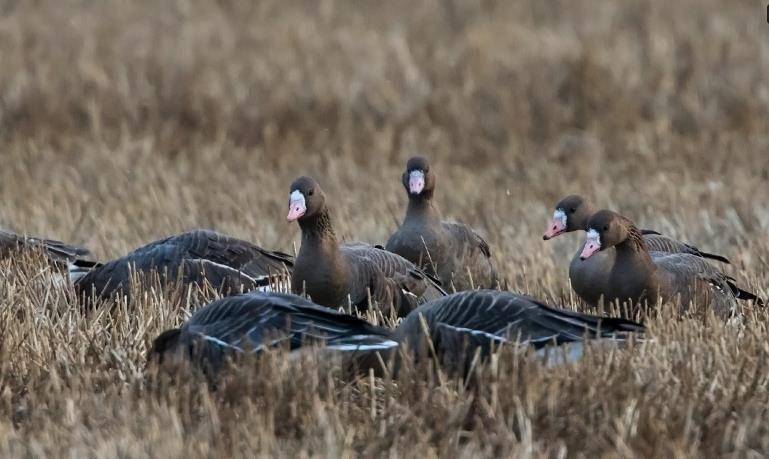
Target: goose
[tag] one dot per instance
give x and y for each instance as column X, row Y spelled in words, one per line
column 453, row 252
column 228, row 264
column 72, row 258
column 460, row 324
column 457, row 326
column 335, row 274
column 11, row 242
column 572, row 214
column 638, row 275
column 252, row 322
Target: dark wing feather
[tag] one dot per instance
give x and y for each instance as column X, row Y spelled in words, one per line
column 471, row 252
column 390, row 278
column 230, row 265
column 464, row 235
column 249, row 322
column 58, row 250
column 221, row 277
column 484, row 318
column 114, row 277
column 660, row 243
column 696, row 280
column 235, row 253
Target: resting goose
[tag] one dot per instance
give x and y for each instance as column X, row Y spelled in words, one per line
column 334, row 273
column 637, row 275
column 228, row 264
column 253, row 322
column 460, row 324
column 11, row 242
column 452, row 251
column 572, row 214
column 58, row 252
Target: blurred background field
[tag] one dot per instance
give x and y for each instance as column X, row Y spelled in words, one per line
column 122, row 122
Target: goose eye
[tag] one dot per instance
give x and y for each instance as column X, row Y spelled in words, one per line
column 606, row 227
column 572, row 210
column 310, row 193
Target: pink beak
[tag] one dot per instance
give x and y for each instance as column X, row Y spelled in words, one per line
column 295, row 210
column 555, row 228
column 591, row 247
column 416, row 183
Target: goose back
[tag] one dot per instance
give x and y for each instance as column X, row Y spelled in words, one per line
column 228, row 264
column 656, row 242
column 58, row 251
column 689, row 279
column 253, row 322
column 460, row 324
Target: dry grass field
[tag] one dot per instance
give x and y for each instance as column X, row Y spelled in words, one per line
column 124, row 121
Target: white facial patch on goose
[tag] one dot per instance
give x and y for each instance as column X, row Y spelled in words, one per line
column 297, row 196
column 416, row 181
column 592, row 244
column 297, row 205
column 594, row 237
column 559, row 216
column 557, row 225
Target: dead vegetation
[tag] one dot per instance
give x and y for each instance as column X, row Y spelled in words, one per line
column 121, row 122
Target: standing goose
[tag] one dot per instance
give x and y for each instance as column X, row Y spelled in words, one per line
column 253, row 322
column 333, row 273
column 572, row 214
column 452, row 251
column 228, row 264
column 461, row 324
column 637, row 275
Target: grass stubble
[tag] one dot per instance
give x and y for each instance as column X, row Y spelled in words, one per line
column 121, row 122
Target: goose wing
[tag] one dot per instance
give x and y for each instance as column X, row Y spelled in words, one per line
column 255, row 321
column 390, row 278
column 656, row 242
column 235, row 253
column 57, row 250
column 484, row 318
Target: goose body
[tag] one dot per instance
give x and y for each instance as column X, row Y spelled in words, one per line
column 252, row 322
column 453, row 252
column 228, row 264
column 589, row 277
column 336, row 274
column 57, row 251
column 460, row 324
column 641, row 276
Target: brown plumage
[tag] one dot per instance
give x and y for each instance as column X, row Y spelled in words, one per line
column 228, row 264
column 452, row 251
column 587, row 276
column 641, row 276
column 334, row 273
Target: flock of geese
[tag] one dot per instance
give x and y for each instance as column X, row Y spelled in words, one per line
column 408, row 277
